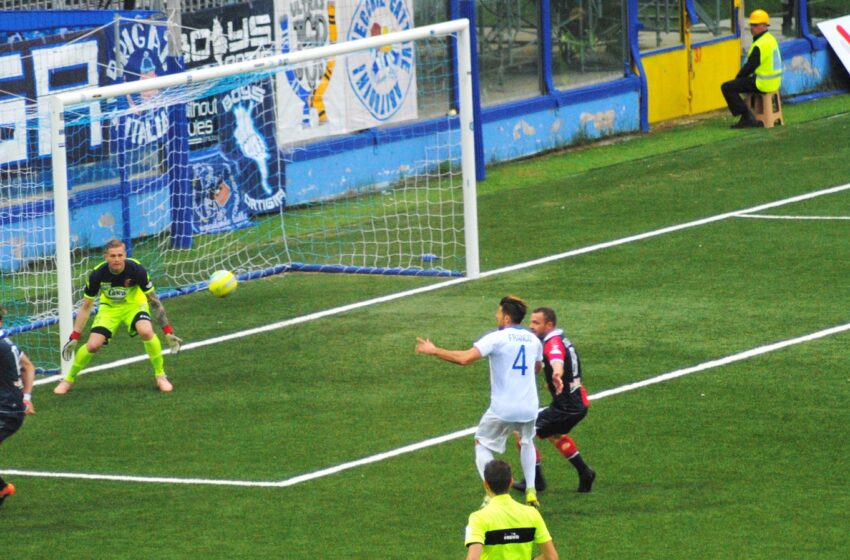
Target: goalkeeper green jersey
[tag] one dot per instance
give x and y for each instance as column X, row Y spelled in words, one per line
column 128, row 286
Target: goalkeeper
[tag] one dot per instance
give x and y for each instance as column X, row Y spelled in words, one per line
column 127, row 297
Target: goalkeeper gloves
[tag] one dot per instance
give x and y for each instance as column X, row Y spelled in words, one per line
column 174, row 342
column 70, row 346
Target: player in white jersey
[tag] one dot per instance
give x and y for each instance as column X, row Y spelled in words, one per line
column 515, row 356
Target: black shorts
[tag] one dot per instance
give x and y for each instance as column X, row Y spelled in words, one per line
column 557, row 422
column 11, row 417
column 107, row 333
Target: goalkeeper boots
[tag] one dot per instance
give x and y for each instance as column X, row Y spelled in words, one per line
column 6, row 491
column 531, row 499
column 164, row 384
column 585, row 480
column 63, row 387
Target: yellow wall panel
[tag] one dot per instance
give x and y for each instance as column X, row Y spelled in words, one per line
column 667, row 84
column 712, row 65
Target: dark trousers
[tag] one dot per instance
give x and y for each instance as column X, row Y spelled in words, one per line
column 732, row 91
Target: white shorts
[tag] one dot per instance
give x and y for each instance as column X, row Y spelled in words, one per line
column 493, row 432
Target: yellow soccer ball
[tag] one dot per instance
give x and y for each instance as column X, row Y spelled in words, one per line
column 222, row 282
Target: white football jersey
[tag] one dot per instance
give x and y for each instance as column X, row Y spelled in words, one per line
column 513, row 353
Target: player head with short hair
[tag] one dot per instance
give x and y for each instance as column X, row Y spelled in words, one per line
column 115, row 253
column 497, row 475
column 513, row 308
column 543, row 321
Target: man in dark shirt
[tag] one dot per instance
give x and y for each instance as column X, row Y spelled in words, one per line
column 17, row 375
column 760, row 74
column 569, row 405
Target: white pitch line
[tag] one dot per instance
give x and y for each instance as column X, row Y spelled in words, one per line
column 456, row 281
column 741, row 356
column 779, row 217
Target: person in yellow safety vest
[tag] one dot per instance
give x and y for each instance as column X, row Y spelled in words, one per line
column 762, row 73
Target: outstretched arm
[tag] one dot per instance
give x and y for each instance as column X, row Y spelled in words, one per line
column 157, row 309
column 460, row 357
column 174, row 342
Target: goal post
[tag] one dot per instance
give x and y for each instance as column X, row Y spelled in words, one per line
column 405, row 202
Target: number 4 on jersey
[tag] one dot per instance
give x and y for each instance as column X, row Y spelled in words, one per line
column 519, row 361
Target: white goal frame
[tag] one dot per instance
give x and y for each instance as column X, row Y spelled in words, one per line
column 59, row 102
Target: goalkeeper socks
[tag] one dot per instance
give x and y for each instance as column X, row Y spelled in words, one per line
column 81, row 360
column 154, row 349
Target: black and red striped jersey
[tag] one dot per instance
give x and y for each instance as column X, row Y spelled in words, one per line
column 558, row 348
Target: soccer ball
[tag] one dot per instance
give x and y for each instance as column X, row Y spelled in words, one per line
column 222, row 282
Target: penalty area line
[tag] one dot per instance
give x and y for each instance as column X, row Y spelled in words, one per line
column 786, row 217
column 300, row 479
column 440, row 285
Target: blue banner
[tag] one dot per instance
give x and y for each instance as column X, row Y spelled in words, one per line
column 241, row 122
column 217, row 200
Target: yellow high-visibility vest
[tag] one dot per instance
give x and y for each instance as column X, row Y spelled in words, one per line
column 769, row 71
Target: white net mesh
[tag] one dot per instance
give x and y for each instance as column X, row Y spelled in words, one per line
column 350, row 163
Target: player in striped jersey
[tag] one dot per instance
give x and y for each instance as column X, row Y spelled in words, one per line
column 569, row 405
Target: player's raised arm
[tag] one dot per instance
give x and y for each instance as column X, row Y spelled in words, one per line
column 460, row 357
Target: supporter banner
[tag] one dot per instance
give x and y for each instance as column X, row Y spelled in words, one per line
column 240, row 123
column 142, row 54
column 312, row 100
column 382, row 82
column 247, row 139
column 324, row 98
column 33, row 70
column 221, row 36
column 38, row 68
column 217, row 200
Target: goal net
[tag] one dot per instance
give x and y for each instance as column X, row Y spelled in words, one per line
column 353, row 157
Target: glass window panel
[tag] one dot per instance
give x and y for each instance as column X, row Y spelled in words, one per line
column 662, row 24
column 588, row 41
column 783, row 21
column 823, row 10
column 508, row 50
column 715, row 20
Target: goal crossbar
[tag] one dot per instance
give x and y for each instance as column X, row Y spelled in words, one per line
column 60, row 102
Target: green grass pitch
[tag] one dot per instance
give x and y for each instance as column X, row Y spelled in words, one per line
column 744, row 460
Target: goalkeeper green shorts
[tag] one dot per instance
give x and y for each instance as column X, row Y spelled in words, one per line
column 110, row 317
